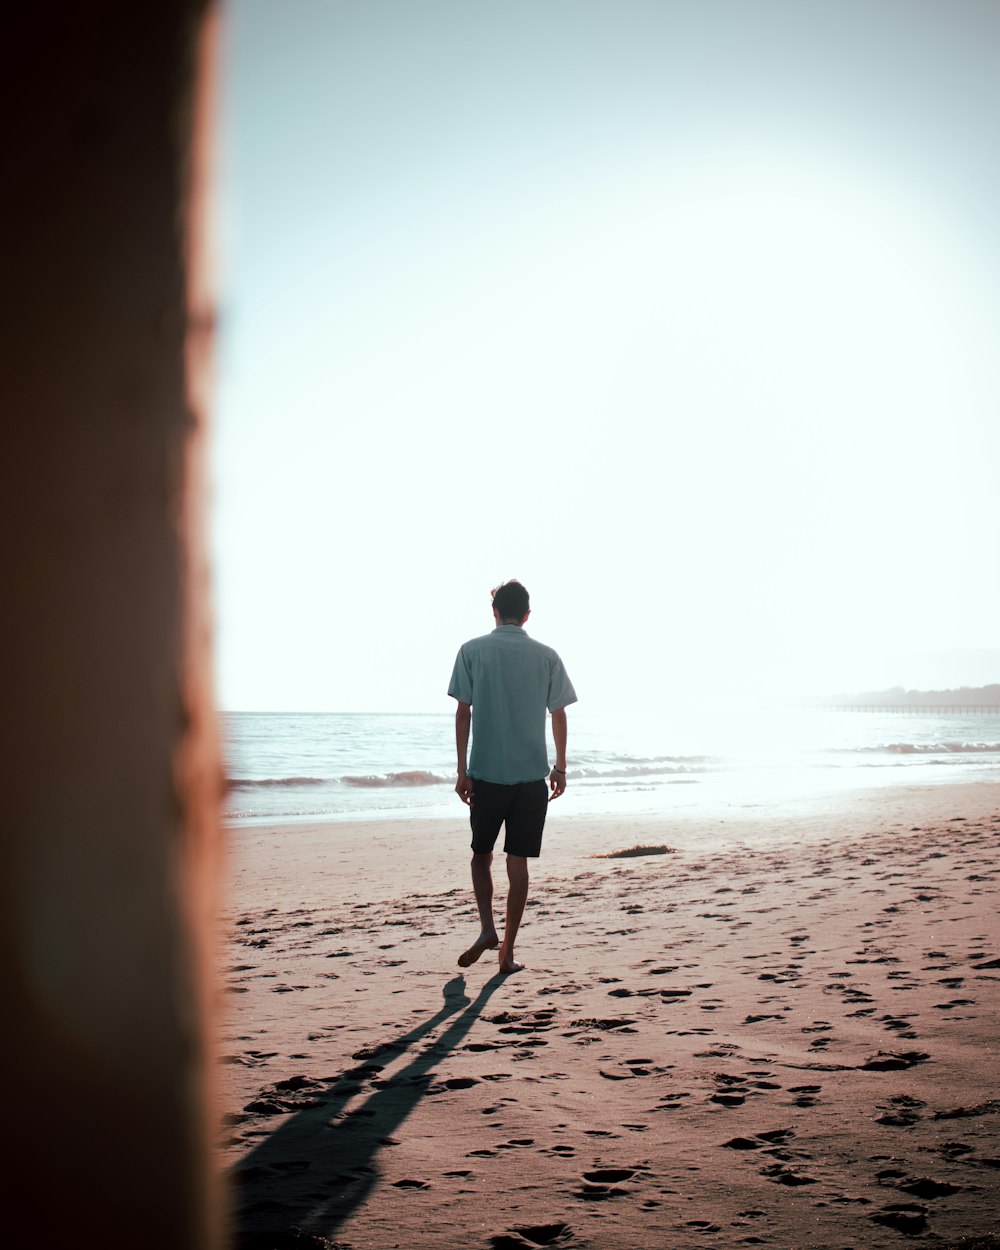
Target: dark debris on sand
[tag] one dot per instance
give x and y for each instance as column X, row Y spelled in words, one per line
column 633, row 851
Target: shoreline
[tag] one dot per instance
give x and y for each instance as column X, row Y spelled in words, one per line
column 789, row 1038
column 704, row 796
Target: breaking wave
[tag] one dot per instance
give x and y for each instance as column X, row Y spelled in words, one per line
column 642, row 770
column 256, row 783
column 633, row 760
column 937, row 748
column 414, row 778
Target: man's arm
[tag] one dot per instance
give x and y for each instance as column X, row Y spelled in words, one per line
column 557, row 778
column 463, row 723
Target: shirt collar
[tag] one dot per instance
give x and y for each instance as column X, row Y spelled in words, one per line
column 506, row 628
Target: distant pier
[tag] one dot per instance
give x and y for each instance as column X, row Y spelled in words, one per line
column 925, row 709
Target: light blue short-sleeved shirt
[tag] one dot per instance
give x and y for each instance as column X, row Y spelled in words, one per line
column 511, row 681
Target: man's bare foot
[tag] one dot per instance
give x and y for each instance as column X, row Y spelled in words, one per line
column 484, row 943
column 508, row 963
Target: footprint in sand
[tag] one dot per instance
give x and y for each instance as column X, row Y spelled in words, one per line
column 532, row 1235
column 926, row 1187
column 733, row 1091
column 781, row 1174
column 955, row 1002
column 899, row 1025
column 905, row 1217
column 609, row 1176
column 729, row 1098
column 805, row 1095
column 893, row 1061
column 252, row 1058
column 456, row 1082
column 671, row 1102
column 602, row 1025
column 599, row 1193
column 902, row 1112
column 632, row 1068
column 974, row 1109
column 603, row 1183
column 773, row 1143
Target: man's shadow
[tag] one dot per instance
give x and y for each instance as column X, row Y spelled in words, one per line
column 314, row 1170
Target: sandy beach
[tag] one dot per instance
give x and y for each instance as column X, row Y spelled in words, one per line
column 780, row 1033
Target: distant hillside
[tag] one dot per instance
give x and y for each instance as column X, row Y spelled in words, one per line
column 964, row 696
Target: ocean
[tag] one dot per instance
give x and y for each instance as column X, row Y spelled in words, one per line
column 288, row 767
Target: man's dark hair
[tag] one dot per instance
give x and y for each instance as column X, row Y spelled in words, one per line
column 511, row 601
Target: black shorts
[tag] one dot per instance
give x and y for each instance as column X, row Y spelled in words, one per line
column 521, row 807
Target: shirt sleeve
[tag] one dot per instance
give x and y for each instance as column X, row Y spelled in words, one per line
column 461, row 679
column 561, row 693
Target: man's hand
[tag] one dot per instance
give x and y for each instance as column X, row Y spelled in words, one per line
column 557, row 777
column 463, row 724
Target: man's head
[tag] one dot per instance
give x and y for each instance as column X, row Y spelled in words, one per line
column 510, row 603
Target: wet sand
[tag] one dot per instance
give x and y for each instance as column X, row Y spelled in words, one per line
column 789, row 1041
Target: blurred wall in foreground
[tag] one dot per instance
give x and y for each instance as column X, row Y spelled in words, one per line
column 110, row 775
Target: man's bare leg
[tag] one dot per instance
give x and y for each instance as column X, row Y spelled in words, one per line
column 517, row 896
column 482, row 884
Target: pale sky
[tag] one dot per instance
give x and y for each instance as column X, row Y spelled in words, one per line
column 684, row 314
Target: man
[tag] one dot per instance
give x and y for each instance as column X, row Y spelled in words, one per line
column 504, row 683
